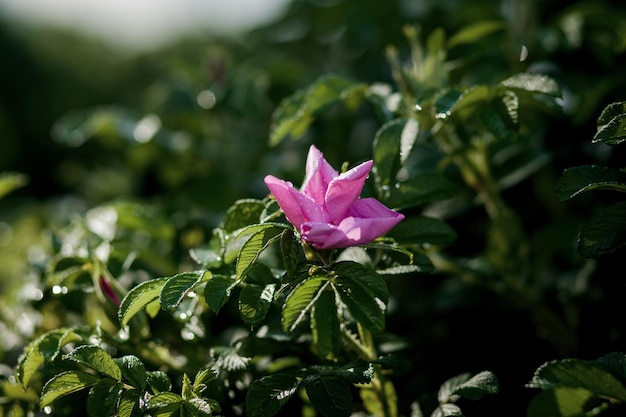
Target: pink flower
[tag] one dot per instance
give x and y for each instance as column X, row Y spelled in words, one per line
column 327, row 211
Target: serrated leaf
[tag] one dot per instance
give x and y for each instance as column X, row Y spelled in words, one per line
column 138, row 298
column 533, row 83
column 291, row 251
column 266, row 396
column 477, row 386
column 217, row 291
column 45, row 347
column 229, row 359
column 576, row 180
column 202, row 377
column 329, row 394
column 243, row 213
column 178, row 286
column 97, row 359
column 165, row 404
column 610, row 112
column 604, row 233
column 325, row 325
column 103, row 398
column 255, row 301
column 612, row 133
column 200, row 407
column 364, row 293
column 133, row 370
column 300, row 301
column 576, row 373
column 129, row 402
column 566, row 402
column 295, row 113
column 66, row 383
column 260, row 237
column 158, row 381
column 447, row 410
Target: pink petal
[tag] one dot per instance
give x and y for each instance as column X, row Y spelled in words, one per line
column 297, row 207
column 324, row 235
column 319, row 173
column 345, row 189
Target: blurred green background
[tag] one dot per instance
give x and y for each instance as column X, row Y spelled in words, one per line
column 183, row 125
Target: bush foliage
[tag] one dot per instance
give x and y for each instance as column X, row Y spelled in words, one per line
column 147, row 270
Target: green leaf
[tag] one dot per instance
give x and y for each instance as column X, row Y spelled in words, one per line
column 243, row 213
column 177, row 287
column 364, row 293
column 45, row 347
column 294, row 114
column 97, row 359
column 579, row 179
column 66, row 383
column 165, row 404
column 329, row 394
column 497, row 120
column 158, row 381
column 612, row 124
column 325, row 325
column 533, row 83
column 421, row 230
column 138, row 298
column 291, row 251
column 103, row 398
column 129, row 403
column 133, row 370
column 217, row 291
column 475, row 387
column 565, row 402
column 199, row 407
column 202, row 377
column 261, row 236
column 392, row 145
column 255, row 301
column 604, row 233
column 475, row 32
column 576, row 373
column 266, row 396
column 300, row 301
column 229, row 359
column 10, row 181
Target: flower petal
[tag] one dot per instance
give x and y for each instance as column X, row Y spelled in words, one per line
column 319, row 173
column 297, row 207
column 324, row 235
column 345, row 189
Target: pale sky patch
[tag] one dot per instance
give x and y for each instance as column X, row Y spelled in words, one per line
column 143, row 24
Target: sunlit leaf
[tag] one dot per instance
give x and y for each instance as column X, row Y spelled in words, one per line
column 300, row 301
column 243, row 213
column 260, row 237
column 97, row 359
column 158, row 381
column 266, row 396
column 576, row 180
column 45, row 347
column 165, row 404
column 177, row 287
column 66, row 383
column 474, row 387
column 133, row 370
column 138, row 298
column 566, row 402
column 534, row 83
column 129, row 403
column 576, row 373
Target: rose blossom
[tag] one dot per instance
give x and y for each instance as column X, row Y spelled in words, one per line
column 327, row 211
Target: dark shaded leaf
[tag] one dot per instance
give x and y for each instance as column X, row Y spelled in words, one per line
column 269, row 394
column 604, row 233
column 325, row 325
column 217, row 291
column 133, row 370
column 584, row 178
column 329, row 394
column 103, row 398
